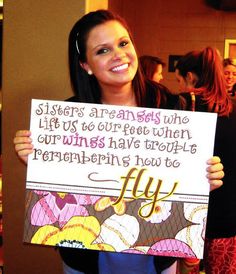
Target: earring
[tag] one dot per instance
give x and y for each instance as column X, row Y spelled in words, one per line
column 90, row 72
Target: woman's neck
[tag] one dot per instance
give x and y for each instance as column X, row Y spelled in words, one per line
column 123, row 96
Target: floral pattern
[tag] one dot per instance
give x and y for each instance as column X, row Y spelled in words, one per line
column 106, row 202
column 78, row 232
column 95, row 222
column 59, row 207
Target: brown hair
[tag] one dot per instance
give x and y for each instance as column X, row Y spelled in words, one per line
column 149, row 64
column 229, row 62
column 207, row 65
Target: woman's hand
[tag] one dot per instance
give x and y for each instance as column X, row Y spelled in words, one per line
column 23, row 144
column 215, row 172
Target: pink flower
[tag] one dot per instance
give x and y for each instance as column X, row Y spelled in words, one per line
column 59, row 207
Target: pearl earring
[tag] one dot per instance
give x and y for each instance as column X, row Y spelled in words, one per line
column 90, row 72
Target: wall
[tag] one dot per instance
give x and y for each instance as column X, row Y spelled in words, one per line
column 166, row 28
column 35, row 35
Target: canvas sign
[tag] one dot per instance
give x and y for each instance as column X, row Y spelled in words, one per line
column 120, row 179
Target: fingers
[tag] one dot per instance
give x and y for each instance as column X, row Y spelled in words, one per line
column 215, row 172
column 214, row 184
column 23, row 144
column 214, row 160
column 215, row 168
column 22, row 136
column 21, row 133
column 22, row 139
column 214, row 179
column 20, row 147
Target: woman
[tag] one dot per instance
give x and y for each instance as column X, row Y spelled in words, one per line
column 201, row 80
column 104, row 69
column 230, row 76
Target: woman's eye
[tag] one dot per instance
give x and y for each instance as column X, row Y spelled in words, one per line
column 102, row 51
column 123, row 43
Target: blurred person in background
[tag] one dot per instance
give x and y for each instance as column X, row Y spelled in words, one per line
column 230, row 75
column 152, row 67
column 200, row 75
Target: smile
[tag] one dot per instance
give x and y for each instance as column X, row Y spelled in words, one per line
column 119, row 68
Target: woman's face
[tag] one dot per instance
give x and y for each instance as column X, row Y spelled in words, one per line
column 158, row 76
column 182, row 82
column 111, row 56
column 186, row 83
column 230, row 76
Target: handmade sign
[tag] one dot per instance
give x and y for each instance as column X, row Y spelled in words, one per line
column 115, row 178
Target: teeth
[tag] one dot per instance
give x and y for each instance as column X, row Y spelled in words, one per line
column 125, row 66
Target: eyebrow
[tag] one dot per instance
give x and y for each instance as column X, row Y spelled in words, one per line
column 108, row 43
column 100, row 46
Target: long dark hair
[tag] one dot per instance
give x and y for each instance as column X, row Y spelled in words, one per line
column 207, row 65
column 86, row 87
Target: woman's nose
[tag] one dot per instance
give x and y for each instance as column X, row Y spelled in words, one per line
column 118, row 53
column 231, row 75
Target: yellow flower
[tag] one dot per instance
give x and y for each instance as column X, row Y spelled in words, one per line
column 106, row 202
column 79, row 232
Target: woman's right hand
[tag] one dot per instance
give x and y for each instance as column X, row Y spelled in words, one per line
column 23, row 144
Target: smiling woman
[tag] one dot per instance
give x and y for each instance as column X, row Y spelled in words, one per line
column 100, row 43
column 229, row 65
column 113, row 60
